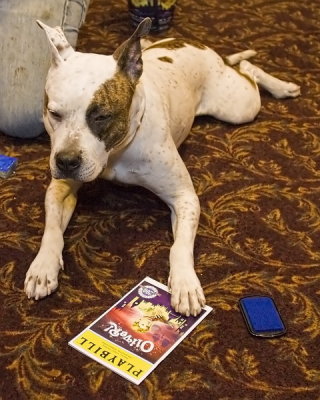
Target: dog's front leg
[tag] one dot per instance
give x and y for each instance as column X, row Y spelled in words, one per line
column 186, row 293
column 170, row 180
column 42, row 276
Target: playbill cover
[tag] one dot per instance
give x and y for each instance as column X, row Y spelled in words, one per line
column 138, row 332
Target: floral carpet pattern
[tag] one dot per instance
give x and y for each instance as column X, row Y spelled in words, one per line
column 259, row 232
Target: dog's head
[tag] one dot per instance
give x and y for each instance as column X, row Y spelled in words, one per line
column 88, row 103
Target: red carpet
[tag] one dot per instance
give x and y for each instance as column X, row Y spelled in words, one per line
column 259, row 233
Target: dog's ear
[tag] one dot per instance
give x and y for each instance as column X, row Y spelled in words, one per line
column 61, row 49
column 128, row 55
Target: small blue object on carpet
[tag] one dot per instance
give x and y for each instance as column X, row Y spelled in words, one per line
column 7, row 165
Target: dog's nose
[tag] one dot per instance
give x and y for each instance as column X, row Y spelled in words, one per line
column 68, row 161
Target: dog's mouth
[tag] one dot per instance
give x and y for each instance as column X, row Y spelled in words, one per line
column 81, row 175
column 72, row 166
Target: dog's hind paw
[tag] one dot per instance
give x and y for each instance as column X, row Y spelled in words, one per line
column 187, row 296
column 286, row 89
column 42, row 276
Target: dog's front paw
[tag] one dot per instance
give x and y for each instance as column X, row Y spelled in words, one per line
column 187, row 296
column 42, row 276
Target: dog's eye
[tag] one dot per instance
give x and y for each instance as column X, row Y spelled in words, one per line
column 102, row 117
column 55, row 114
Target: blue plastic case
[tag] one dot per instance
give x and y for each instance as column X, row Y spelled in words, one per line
column 262, row 316
column 7, row 165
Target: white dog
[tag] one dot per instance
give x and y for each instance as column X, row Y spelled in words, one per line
column 122, row 117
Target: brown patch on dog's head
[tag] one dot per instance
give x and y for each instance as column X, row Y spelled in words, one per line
column 108, row 114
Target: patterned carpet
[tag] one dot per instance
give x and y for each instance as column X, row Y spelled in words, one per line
column 259, row 188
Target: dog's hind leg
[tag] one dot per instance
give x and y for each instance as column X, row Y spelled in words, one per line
column 235, row 58
column 278, row 88
column 42, row 276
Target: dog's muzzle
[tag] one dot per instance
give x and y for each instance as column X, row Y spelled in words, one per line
column 68, row 163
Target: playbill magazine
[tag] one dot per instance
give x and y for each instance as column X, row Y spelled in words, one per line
column 138, row 332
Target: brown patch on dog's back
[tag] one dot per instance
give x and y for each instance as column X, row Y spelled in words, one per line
column 108, row 113
column 166, row 59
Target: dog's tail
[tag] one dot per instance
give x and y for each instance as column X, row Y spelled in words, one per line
column 235, row 58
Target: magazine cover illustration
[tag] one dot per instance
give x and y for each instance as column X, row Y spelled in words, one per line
column 135, row 335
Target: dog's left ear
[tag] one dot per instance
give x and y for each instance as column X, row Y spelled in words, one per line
column 128, row 55
column 61, row 49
